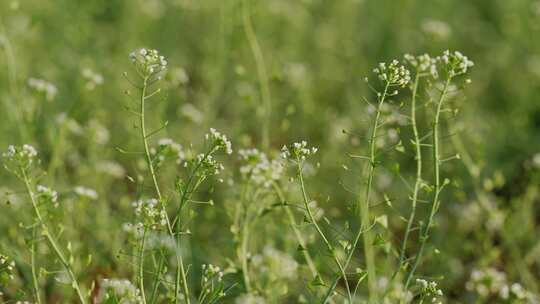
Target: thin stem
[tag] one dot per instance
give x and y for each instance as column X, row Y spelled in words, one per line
column 319, row 230
column 244, row 249
column 418, row 182
column 364, row 213
column 161, row 264
column 141, row 265
column 436, row 165
column 261, row 72
column 364, row 208
column 181, row 274
column 52, row 242
column 33, row 264
column 297, row 233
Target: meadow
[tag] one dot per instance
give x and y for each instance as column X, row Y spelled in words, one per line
column 261, row 152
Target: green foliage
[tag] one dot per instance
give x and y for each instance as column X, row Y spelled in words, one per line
column 419, row 183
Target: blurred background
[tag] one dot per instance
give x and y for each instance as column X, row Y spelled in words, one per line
column 62, row 90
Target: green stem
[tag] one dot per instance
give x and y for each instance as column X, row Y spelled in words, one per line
column 319, row 230
column 364, row 213
column 435, row 203
column 181, row 274
column 418, row 157
column 297, row 233
column 261, row 72
column 141, row 266
column 244, row 248
column 33, row 262
column 161, row 264
column 52, row 242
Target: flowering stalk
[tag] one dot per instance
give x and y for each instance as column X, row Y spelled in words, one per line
column 298, row 235
column 391, row 75
column 455, row 64
column 148, row 64
column 50, row 238
column 300, row 152
column 437, row 187
column 418, row 181
column 35, row 282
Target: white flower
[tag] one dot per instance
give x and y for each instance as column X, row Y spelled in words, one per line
column 150, row 213
column 148, row 62
column 92, row 78
column 455, row 63
column 298, row 151
column 393, row 74
column 47, row 193
column 85, row 192
column 258, row 168
column 219, row 140
column 120, row 289
column 43, row 86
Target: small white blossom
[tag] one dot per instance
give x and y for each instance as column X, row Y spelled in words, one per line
column 148, row 62
column 43, row 86
column 298, row 151
column 219, row 140
column 122, row 290
column 85, row 192
column 393, row 74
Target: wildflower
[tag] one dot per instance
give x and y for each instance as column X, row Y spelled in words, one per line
column 219, row 140
column 47, row 193
column 429, row 290
column 393, row 74
column 121, row 290
column 299, row 151
column 43, row 86
column 7, row 268
column 167, row 147
column 92, row 79
column 111, row 168
column 258, row 168
column 23, row 156
column 455, row 63
column 436, row 29
column 148, row 62
column 423, row 64
column 149, row 213
column 85, row 192
column 249, row 299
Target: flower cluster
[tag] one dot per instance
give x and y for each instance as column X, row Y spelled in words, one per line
column 92, row 79
column 208, row 165
column 150, row 213
column 298, row 151
column 120, row 291
column 429, row 290
column 423, row 64
column 47, row 194
column 249, row 298
column 275, row 265
column 258, row 168
column 490, row 283
column 455, row 63
column 23, row 156
column 168, row 148
column 7, row 267
column 212, row 288
column 43, row 87
column 393, row 74
column 86, row 193
column 148, row 62
column 219, row 141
